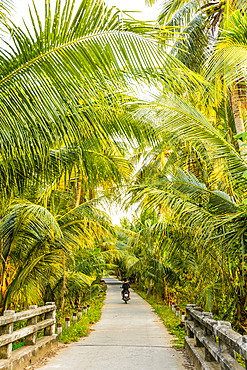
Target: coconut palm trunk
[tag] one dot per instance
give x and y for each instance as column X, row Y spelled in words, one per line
column 238, row 117
column 78, row 193
column 149, row 288
column 63, row 290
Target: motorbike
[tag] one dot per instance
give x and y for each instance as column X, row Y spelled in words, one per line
column 126, row 296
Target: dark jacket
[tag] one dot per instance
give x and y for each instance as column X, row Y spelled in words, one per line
column 125, row 286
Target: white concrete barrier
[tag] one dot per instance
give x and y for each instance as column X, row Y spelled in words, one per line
column 19, row 358
column 212, row 344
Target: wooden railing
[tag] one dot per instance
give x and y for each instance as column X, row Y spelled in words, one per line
column 214, row 339
column 29, row 332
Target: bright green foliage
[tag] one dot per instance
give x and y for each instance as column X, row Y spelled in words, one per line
column 82, row 327
column 63, row 88
column 73, row 130
column 34, row 243
column 188, row 241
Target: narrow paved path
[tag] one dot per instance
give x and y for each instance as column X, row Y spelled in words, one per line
column 127, row 337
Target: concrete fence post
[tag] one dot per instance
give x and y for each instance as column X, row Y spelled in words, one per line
column 189, row 317
column 178, row 312
column 31, row 339
column 50, row 330
column 59, row 329
column 190, row 333
column 197, row 341
column 85, row 309
column 67, row 323
column 244, row 339
column 173, row 306
column 88, row 307
column 225, row 347
column 207, row 332
column 183, row 317
column 6, row 351
column 74, row 317
column 208, row 356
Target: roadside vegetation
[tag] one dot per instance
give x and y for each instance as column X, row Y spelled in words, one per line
column 82, row 327
column 172, row 323
column 75, row 131
column 79, row 329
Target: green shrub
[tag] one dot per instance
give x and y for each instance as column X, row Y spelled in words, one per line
column 81, row 327
column 75, row 332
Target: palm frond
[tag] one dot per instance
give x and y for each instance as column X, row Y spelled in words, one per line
column 175, row 12
column 188, row 123
column 178, row 14
column 60, row 87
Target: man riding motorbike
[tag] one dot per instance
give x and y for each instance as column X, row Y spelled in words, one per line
column 125, row 287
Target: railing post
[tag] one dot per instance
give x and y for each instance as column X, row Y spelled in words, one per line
column 67, row 323
column 197, row 341
column 31, row 339
column 74, row 317
column 190, row 333
column 189, row 317
column 224, row 347
column 50, row 330
column 208, row 356
column 173, row 307
column 208, row 333
column 6, row 351
column 244, row 340
column 197, row 325
column 183, row 318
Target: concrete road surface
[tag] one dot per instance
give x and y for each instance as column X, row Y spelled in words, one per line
column 128, row 336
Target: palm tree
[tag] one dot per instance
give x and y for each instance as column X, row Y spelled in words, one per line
column 199, row 195
column 32, row 243
column 230, row 59
column 60, row 84
column 68, row 118
column 199, row 192
column 198, row 27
